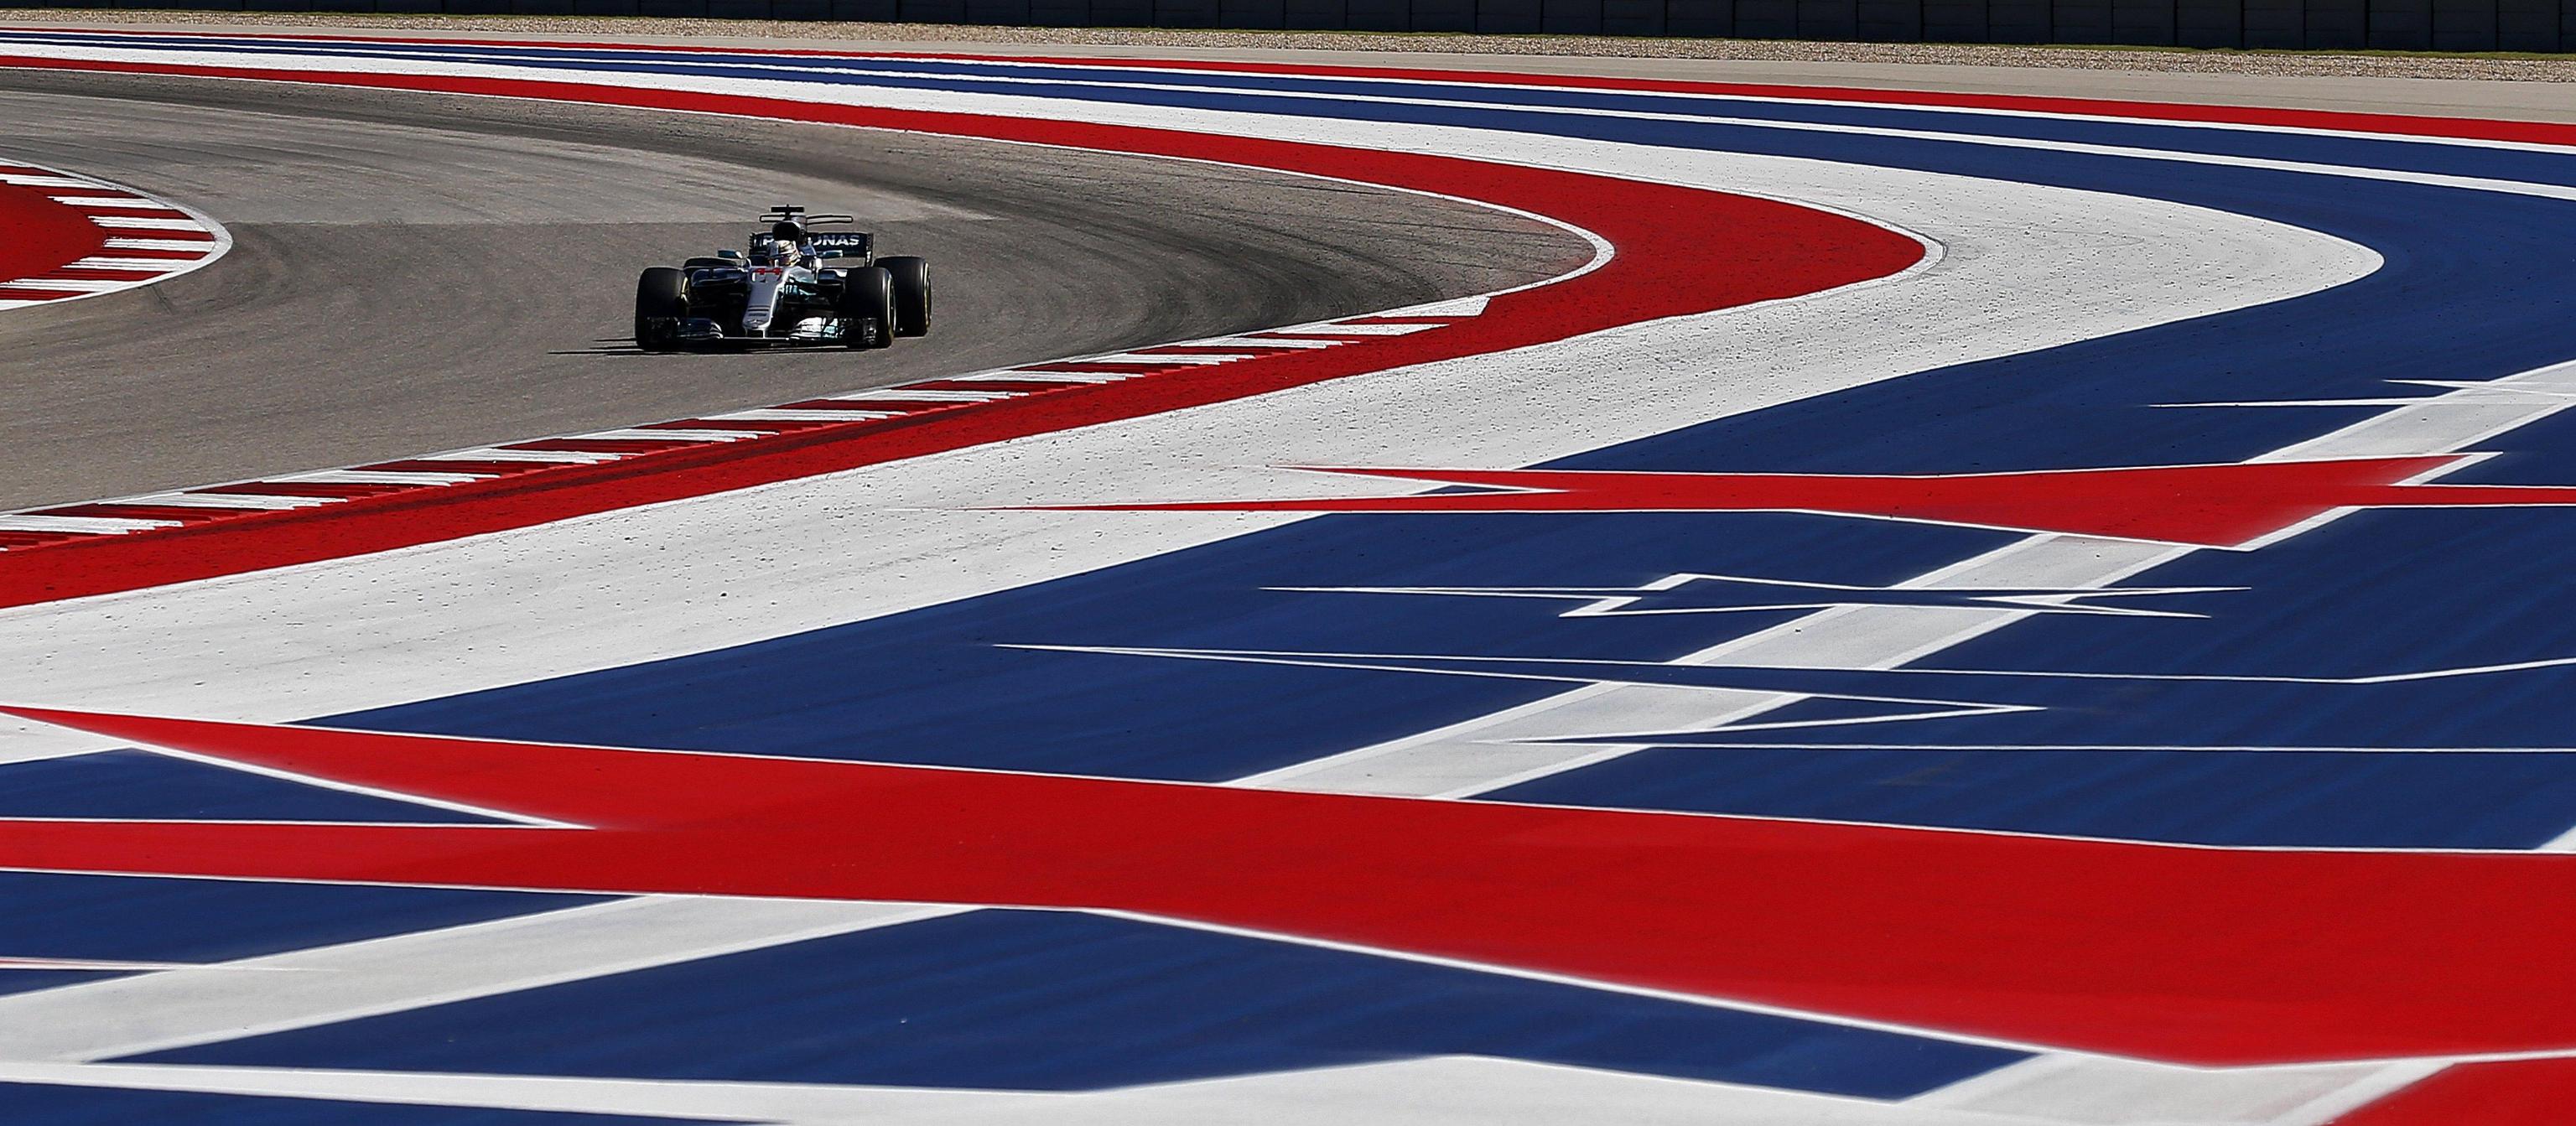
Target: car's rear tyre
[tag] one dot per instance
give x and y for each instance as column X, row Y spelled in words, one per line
column 661, row 298
column 911, row 294
column 867, row 297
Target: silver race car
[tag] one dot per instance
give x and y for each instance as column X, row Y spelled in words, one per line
column 791, row 285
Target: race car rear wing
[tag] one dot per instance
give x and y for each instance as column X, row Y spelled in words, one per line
column 841, row 244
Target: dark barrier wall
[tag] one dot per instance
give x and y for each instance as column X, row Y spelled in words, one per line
column 2408, row 25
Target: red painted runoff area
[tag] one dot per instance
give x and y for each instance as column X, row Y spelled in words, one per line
column 38, row 235
column 2539, row 1092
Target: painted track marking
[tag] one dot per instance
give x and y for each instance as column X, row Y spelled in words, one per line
column 67, row 231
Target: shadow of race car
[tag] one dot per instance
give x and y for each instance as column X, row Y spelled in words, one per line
column 791, row 285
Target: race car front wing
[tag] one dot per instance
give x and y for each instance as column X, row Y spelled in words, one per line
column 810, row 330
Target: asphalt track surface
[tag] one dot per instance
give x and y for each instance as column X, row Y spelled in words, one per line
column 1999, row 640
column 413, row 274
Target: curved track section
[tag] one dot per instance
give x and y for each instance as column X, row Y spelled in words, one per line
column 1977, row 611
column 425, row 274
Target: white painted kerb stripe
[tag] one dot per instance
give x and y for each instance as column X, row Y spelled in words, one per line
column 128, row 222
column 93, row 525
column 225, row 500
column 382, row 477
column 641, row 435
column 166, row 244
column 132, row 201
column 783, row 414
column 111, row 262
column 69, row 285
column 27, row 181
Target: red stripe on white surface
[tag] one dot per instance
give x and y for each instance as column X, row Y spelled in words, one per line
column 73, row 236
column 129, row 516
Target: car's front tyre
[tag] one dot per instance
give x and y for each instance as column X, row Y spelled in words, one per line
column 868, row 299
column 661, row 299
column 911, row 294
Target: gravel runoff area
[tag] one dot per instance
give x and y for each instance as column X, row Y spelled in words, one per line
column 2519, row 68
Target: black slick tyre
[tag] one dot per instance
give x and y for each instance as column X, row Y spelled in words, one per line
column 867, row 299
column 911, row 294
column 661, row 295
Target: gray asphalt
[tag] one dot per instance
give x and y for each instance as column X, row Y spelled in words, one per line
column 417, row 273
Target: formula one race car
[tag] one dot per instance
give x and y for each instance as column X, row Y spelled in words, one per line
column 778, row 291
